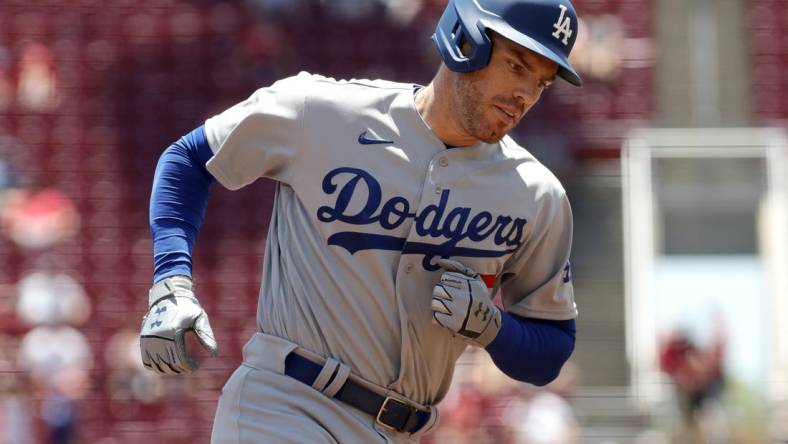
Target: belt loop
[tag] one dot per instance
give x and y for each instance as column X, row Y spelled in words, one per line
column 339, row 380
column 264, row 351
column 432, row 421
column 325, row 374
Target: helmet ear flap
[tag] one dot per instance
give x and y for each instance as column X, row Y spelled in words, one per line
column 462, row 42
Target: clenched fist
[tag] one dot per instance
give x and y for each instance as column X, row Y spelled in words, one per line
column 173, row 311
column 461, row 302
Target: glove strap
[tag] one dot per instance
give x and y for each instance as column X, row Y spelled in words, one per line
column 167, row 287
column 492, row 329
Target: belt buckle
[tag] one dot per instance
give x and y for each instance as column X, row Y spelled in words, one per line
column 383, row 410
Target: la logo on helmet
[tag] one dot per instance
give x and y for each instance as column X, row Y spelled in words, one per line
column 563, row 26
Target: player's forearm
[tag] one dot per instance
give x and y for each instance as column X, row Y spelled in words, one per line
column 531, row 350
column 178, row 202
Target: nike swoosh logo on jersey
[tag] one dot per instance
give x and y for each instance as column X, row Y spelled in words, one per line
column 364, row 140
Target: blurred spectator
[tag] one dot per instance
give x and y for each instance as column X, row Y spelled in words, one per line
column 39, row 218
column 47, row 296
column 600, row 48
column 55, row 355
column 547, row 417
column 37, row 87
column 698, row 376
column 58, row 358
column 485, row 410
column 462, row 414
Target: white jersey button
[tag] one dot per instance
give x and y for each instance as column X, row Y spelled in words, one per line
column 443, row 161
column 438, row 189
column 408, row 268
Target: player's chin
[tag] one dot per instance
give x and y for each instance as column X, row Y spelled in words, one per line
column 493, row 133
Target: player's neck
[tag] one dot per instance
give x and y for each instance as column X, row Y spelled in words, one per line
column 433, row 102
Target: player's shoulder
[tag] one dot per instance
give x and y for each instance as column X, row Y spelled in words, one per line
column 333, row 83
column 341, row 94
column 316, row 85
column 532, row 172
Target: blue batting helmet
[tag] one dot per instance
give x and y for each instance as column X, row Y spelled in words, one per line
column 546, row 27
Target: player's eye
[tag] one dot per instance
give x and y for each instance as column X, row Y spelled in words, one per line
column 516, row 67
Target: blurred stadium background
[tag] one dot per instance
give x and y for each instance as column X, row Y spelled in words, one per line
column 680, row 243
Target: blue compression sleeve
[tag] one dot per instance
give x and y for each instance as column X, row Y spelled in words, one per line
column 532, row 350
column 178, row 202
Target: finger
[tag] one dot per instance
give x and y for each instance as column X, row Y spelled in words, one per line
column 173, row 368
column 165, row 366
column 166, row 363
column 443, row 320
column 204, row 332
column 439, row 306
column 175, row 362
column 159, row 357
column 454, row 280
column 180, row 351
column 458, row 267
column 439, row 291
column 154, row 365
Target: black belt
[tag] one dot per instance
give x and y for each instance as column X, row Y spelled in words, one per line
column 387, row 411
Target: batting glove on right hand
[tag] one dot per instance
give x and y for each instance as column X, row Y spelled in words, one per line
column 461, row 302
column 173, row 311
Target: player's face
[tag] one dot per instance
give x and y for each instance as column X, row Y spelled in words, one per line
column 491, row 101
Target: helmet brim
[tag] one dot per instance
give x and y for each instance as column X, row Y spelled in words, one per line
column 565, row 70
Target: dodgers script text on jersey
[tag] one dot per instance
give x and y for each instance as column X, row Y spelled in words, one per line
column 435, row 221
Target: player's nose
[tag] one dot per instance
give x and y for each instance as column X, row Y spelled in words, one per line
column 527, row 93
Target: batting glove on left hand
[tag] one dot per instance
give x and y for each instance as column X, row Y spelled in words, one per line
column 461, row 302
column 173, row 311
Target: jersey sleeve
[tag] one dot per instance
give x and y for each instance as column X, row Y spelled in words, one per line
column 537, row 281
column 259, row 137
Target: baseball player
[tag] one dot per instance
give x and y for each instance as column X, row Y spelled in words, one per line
column 400, row 211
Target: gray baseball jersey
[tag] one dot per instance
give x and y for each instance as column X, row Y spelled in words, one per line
column 368, row 199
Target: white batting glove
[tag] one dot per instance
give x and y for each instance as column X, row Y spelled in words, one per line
column 461, row 302
column 173, row 311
